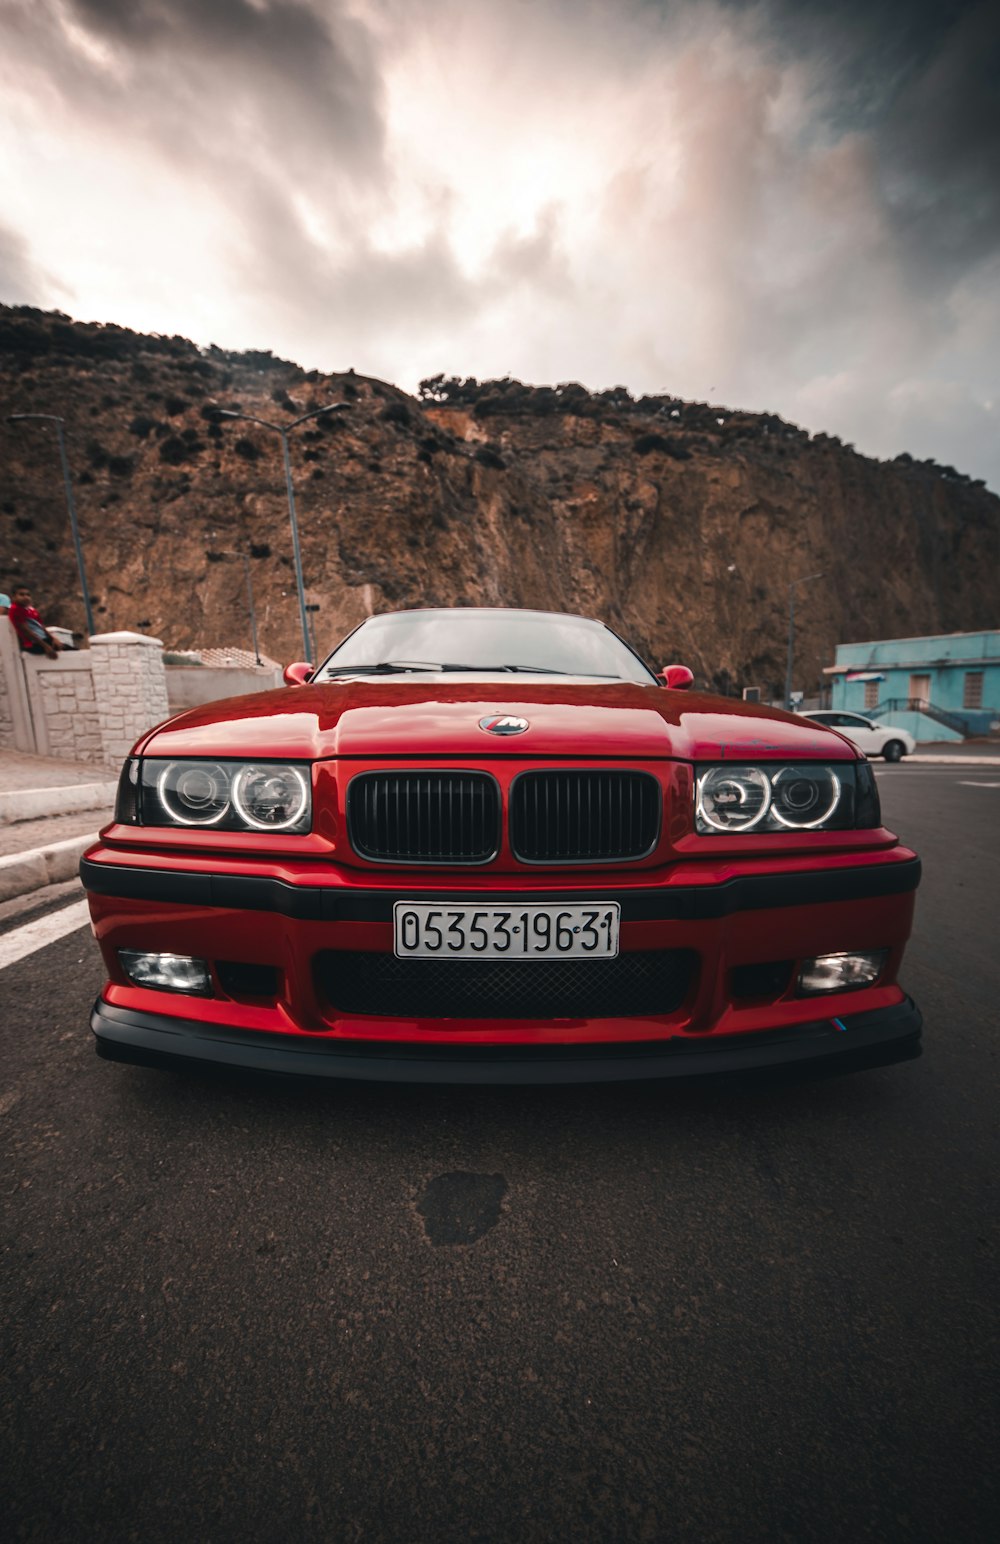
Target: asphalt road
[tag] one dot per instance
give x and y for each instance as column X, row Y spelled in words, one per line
column 233, row 1312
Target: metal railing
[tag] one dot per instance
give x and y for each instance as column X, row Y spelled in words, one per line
column 955, row 721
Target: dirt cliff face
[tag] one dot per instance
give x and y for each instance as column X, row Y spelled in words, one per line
column 678, row 523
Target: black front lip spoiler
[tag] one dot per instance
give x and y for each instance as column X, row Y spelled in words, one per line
column 866, row 1040
column 679, row 903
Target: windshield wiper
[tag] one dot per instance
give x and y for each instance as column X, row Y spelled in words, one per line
column 383, row 667
column 547, row 670
column 405, row 666
column 527, row 669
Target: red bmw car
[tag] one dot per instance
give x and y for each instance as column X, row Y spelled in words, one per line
column 492, row 845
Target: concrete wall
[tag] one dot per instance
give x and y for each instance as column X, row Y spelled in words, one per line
column 188, row 686
column 16, row 725
column 6, row 705
column 926, row 731
column 93, row 705
column 86, row 706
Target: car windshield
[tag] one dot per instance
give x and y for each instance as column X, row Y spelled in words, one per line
column 485, row 642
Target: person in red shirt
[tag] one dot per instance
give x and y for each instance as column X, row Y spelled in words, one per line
column 32, row 634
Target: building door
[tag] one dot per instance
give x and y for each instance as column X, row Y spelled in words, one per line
column 920, row 690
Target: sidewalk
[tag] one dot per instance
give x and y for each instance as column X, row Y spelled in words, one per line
column 951, row 753
column 50, row 812
column 20, row 770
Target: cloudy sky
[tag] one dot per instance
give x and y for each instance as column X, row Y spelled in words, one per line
column 779, row 205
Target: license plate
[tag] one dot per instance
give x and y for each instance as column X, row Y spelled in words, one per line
column 585, row 930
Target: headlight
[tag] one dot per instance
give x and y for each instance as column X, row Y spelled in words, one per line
column 226, row 795
column 803, row 796
column 194, row 793
column 733, row 798
column 270, row 798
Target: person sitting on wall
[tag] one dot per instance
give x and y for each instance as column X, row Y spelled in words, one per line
column 32, row 634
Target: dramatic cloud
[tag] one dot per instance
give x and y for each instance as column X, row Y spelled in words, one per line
column 20, row 280
column 781, row 205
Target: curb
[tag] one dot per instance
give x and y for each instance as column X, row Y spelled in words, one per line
column 64, row 799
column 22, row 872
column 949, row 761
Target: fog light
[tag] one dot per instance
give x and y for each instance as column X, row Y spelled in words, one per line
column 841, row 972
column 167, row 972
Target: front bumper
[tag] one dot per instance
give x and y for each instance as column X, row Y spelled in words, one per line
column 304, row 924
column 757, row 891
column 852, row 1043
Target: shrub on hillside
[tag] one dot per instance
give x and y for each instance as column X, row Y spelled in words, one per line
column 646, row 443
column 175, row 451
column 142, row 426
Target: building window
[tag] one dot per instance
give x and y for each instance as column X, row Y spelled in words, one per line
column 972, row 697
column 871, row 694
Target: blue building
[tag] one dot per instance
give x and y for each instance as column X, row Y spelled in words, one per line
column 941, row 688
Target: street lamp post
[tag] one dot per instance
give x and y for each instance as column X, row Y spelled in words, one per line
column 284, row 430
column 52, row 418
column 807, row 579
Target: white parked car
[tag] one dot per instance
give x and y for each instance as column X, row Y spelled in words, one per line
column 873, row 738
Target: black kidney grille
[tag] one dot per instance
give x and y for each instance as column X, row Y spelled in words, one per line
column 584, row 817
column 640, row 984
column 424, row 817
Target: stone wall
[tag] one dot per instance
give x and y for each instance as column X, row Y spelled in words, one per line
column 64, row 707
column 130, row 688
column 87, row 706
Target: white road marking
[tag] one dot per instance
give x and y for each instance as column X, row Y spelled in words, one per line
column 963, row 784
column 901, row 767
column 25, row 940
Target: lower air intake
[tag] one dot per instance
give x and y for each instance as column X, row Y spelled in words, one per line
column 640, row 984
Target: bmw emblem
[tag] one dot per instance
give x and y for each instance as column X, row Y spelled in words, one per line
column 503, row 723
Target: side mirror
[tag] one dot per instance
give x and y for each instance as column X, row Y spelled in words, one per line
column 298, row 674
column 677, row 678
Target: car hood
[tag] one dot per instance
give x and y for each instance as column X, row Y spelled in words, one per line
column 410, row 718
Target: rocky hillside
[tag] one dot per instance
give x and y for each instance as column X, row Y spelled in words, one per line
column 679, row 523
